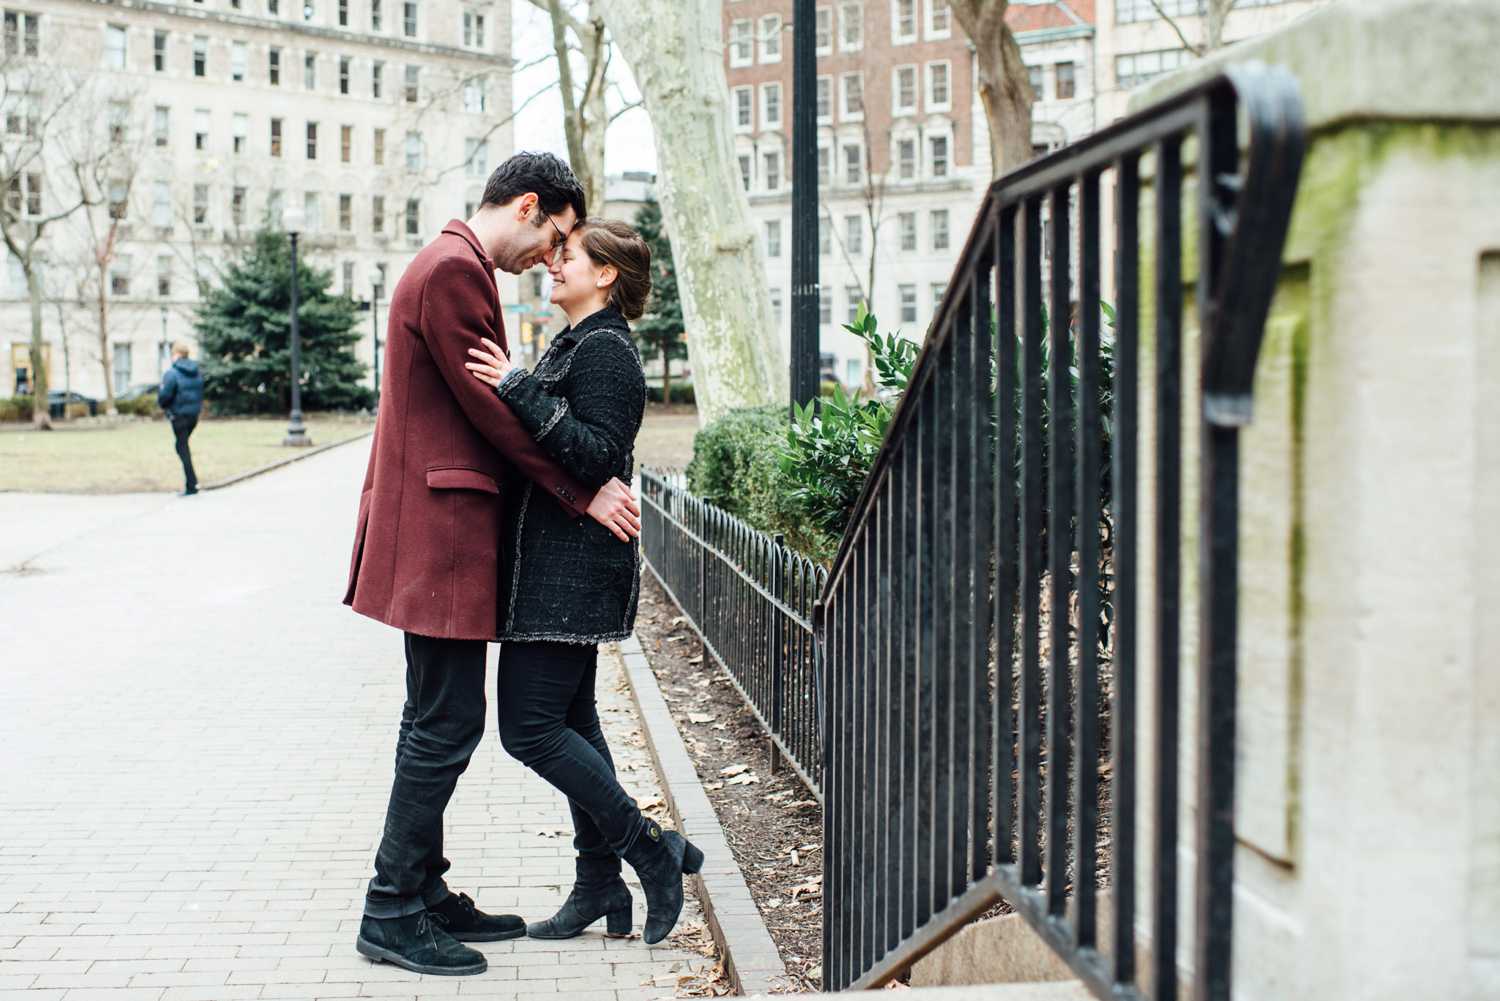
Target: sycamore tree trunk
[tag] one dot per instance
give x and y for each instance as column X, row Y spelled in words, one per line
column 41, row 419
column 1004, row 88
column 585, row 116
column 676, row 52
column 102, row 307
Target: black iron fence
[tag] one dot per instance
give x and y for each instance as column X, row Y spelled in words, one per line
column 750, row 599
column 963, row 664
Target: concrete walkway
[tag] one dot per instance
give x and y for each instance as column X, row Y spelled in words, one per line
column 195, row 755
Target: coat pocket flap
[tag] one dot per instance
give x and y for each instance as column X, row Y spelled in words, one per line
column 461, row 478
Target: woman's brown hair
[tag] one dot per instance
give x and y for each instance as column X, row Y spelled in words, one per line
column 609, row 241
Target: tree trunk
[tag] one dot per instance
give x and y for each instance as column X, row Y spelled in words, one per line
column 676, row 51
column 666, row 377
column 585, row 117
column 1218, row 13
column 40, row 418
column 103, row 311
column 1004, row 87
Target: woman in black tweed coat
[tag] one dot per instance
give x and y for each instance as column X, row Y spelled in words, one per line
column 571, row 584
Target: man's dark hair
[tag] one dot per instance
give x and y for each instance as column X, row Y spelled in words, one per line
column 549, row 177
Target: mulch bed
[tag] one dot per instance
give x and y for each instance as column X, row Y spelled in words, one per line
column 772, row 823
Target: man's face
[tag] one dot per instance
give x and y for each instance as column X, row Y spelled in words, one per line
column 536, row 235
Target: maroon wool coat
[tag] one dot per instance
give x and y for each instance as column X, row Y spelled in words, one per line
column 427, row 542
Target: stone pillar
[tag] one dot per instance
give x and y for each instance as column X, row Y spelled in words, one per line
column 1369, row 798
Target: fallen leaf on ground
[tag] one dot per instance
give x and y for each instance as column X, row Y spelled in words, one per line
column 744, row 779
column 647, row 804
column 734, row 769
column 679, row 620
column 803, row 804
column 713, row 786
column 701, row 718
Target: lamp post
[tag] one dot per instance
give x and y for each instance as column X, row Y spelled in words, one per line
column 296, row 432
column 805, row 286
column 377, row 285
column 162, row 346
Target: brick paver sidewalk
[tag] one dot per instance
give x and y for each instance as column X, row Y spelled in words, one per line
column 195, row 754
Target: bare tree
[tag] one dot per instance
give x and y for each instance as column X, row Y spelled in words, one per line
column 1004, row 87
column 872, row 200
column 1215, row 14
column 50, row 151
column 675, row 49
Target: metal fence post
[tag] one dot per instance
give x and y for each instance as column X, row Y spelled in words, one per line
column 778, row 681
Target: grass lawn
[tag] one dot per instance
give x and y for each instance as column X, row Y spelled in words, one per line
column 139, row 456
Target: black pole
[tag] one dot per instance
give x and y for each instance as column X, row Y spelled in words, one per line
column 296, row 432
column 375, row 332
column 805, row 287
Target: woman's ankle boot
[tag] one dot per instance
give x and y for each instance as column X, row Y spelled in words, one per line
column 598, row 892
column 661, row 858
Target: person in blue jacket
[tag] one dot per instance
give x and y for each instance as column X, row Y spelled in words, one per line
column 181, row 396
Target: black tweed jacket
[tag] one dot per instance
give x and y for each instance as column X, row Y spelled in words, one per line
column 566, row 579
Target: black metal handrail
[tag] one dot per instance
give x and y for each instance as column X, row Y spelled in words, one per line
column 749, row 598
column 930, row 627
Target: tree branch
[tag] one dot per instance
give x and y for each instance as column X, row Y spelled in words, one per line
column 1196, row 50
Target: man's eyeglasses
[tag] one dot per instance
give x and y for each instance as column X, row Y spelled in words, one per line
column 562, row 237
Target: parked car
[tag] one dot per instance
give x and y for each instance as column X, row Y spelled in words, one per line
column 59, row 400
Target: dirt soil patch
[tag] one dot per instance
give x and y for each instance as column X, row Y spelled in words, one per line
column 772, row 823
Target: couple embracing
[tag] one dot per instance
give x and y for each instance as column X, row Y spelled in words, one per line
column 497, row 507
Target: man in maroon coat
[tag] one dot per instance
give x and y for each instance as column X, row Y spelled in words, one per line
column 446, row 457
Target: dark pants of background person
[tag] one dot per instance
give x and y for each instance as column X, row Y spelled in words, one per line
column 182, row 427
column 549, row 721
column 441, row 724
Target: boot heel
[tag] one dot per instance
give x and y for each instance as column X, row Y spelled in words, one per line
column 617, row 923
column 692, row 858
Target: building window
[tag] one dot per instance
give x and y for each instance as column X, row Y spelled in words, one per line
column 939, row 19
column 21, row 34
column 908, row 303
column 379, row 148
column 770, row 38
column 161, row 204
column 824, row 243
column 200, row 128
column 237, row 206
column 824, row 98
column 377, row 79
column 823, row 31
column 773, row 238
column 1127, row 11
column 906, row 159
column 343, row 13
column 413, row 217
column 346, row 144
column 772, row 163
column 240, row 136
column 310, row 71
column 275, row 137
column 825, row 305
column 273, row 7
column 476, row 157
column 906, row 230
column 854, row 234
column 163, row 276
column 852, row 298
column 939, row 289
column 344, row 74
column 937, row 147
column 904, row 90
column 159, row 51
column 119, row 284
column 26, row 194
column 348, row 270
column 939, row 98
column 744, row 110
column 377, row 18
column 852, row 92
column 239, row 61
column 741, row 42
column 346, row 213
column 273, row 207
column 377, row 214
column 200, row 55
column 413, row 151
column 745, row 171
column 119, row 200
column 1067, row 82
column 776, row 304
column 1136, row 68
column 770, row 105
column 903, row 21
column 473, row 29
column 851, row 26
column 823, row 165
column 274, row 66
column 409, row 19
column 938, row 221
column 1034, row 77
column 312, row 140
column 161, row 125
column 413, row 87
column 200, row 205
column 475, row 99
column 854, row 164
column 312, row 211
column 114, row 46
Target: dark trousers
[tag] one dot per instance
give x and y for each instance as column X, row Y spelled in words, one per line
column 549, row 722
column 182, row 427
column 441, row 724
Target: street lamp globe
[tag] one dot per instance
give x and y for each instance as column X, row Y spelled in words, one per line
column 296, row 432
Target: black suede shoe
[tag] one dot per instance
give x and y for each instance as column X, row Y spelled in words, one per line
column 661, row 858
column 416, row 943
column 457, row 915
column 598, row 892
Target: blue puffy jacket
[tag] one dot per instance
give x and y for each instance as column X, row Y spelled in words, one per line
column 181, row 392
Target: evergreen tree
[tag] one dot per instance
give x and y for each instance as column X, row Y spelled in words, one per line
column 659, row 332
column 244, row 330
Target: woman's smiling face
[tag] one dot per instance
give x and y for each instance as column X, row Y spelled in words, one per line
column 575, row 276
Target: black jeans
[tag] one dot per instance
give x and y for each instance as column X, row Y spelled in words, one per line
column 441, row 724
column 549, row 722
column 181, row 428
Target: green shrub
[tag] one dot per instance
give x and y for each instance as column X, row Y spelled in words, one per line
column 734, row 455
column 682, row 392
column 17, row 408
column 141, row 406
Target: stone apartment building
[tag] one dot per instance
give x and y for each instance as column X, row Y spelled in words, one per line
column 378, row 120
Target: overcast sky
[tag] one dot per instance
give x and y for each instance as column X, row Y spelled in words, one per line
column 630, row 144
